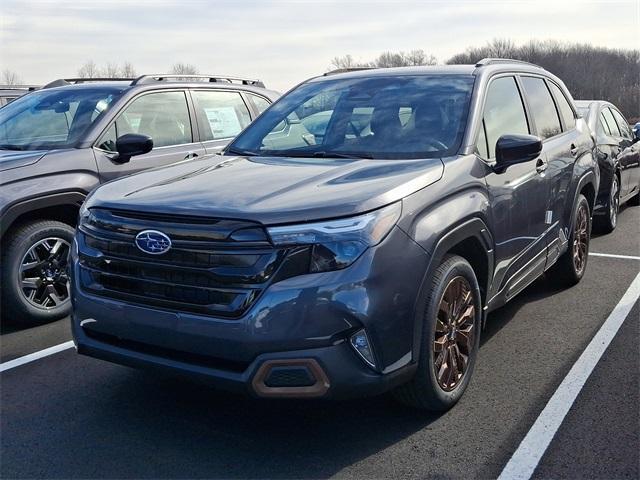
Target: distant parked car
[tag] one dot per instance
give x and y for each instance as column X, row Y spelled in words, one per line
column 8, row 93
column 58, row 143
column 618, row 153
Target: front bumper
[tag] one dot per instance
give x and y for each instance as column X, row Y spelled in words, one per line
column 305, row 319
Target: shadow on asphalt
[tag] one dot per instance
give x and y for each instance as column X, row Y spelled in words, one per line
column 216, row 434
column 11, row 325
column 542, row 288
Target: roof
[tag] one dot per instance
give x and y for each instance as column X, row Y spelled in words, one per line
column 488, row 65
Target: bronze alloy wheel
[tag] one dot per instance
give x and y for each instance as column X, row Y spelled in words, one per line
column 454, row 333
column 581, row 239
column 43, row 273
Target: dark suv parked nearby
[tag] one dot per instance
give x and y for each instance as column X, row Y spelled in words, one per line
column 58, row 143
column 351, row 260
column 618, row 154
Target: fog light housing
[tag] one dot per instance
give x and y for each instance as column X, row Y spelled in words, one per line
column 360, row 343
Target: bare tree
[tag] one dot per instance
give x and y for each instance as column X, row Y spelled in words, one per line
column 111, row 70
column 127, row 70
column 9, row 77
column 183, row 69
column 88, row 70
column 386, row 60
column 347, row 61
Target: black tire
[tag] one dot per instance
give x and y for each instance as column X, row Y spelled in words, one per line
column 18, row 242
column 566, row 271
column 425, row 391
column 607, row 222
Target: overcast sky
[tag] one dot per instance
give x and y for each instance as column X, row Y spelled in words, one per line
column 284, row 42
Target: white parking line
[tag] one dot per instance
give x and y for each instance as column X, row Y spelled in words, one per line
column 611, row 255
column 525, row 459
column 35, row 356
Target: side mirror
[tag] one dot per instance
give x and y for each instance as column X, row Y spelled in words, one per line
column 132, row 144
column 636, row 131
column 513, row 149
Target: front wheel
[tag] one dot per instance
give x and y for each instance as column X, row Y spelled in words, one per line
column 34, row 272
column 570, row 267
column 450, row 338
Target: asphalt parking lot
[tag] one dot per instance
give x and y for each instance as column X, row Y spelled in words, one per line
column 66, row 416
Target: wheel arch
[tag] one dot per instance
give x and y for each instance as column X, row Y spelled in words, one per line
column 62, row 206
column 470, row 239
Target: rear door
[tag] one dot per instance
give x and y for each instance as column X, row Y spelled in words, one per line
column 164, row 116
column 553, row 120
column 221, row 115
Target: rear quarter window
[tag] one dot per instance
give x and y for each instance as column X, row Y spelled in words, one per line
column 566, row 112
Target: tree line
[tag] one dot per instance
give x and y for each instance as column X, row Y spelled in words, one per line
column 589, row 72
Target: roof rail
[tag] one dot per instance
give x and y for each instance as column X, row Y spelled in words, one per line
column 74, row 81
column 144, row 79
column 493, row 61
column 345, row 70
column 19, row 87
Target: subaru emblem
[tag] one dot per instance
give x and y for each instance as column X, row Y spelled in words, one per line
column 153, row 242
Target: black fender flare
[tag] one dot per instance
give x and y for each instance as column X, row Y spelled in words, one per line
column 473, row 227
column 72, row 198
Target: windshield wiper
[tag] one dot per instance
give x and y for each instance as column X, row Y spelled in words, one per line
column 323, row 154
column 11, row 147
column 237, row 151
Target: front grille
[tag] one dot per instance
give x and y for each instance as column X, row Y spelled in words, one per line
column 214, row 267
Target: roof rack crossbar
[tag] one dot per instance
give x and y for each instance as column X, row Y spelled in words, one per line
column 493, row 61
column 144, row 79
column 74, row 81
column 19, row 87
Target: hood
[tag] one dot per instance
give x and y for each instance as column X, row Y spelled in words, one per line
column 270, row 190
column 13, row 159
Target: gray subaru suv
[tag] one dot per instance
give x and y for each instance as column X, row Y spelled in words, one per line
column 353, row 257
column 60, row 142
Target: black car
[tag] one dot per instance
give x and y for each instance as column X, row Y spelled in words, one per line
column 349, row 261
column 60, row 142
column 618, row 154
column 8, row 93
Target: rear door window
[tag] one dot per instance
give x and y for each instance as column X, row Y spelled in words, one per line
column 259, row 102
column 503, row 113
column 220, row 114
column 542, row 107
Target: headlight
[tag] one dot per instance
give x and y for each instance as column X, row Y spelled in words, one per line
column 337, row 244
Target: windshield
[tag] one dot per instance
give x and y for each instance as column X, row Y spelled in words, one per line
column 53, row 119
column 416, row 116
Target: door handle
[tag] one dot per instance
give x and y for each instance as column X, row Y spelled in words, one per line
column 190, row 155
column 573, row 150
column 541, row 165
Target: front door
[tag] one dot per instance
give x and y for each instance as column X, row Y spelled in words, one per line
column 164, row 116
column 517, row 195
